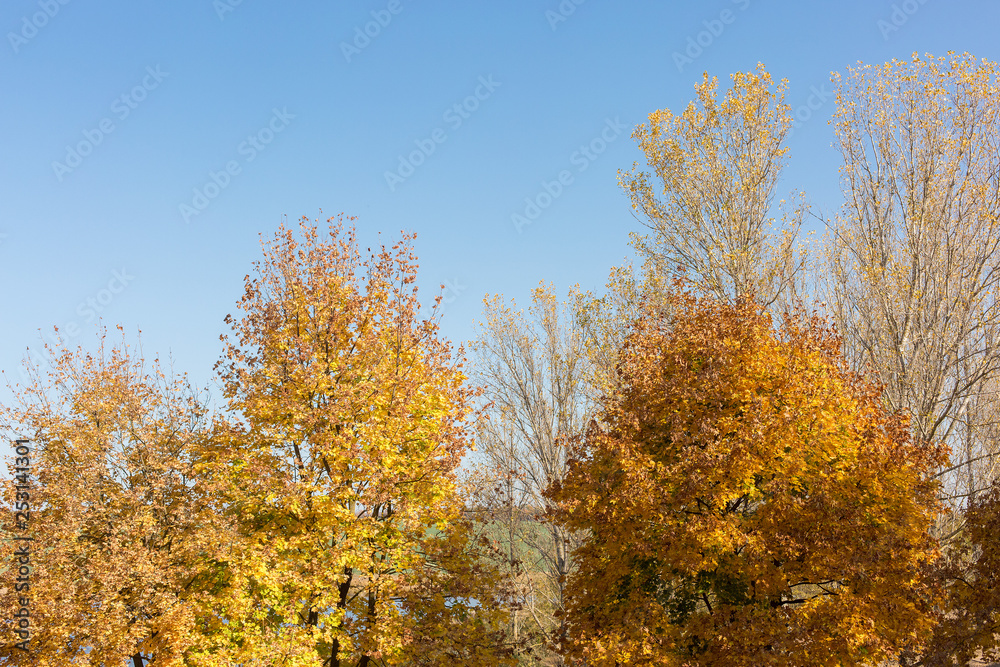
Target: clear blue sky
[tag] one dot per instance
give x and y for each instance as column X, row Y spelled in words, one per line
column 163, row 94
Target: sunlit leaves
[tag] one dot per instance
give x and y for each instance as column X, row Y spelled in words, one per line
column 749, row 501
column 123, row 539
column 354, row 546
column 709, row 196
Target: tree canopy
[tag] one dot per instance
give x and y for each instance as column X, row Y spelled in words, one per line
column 748, row 501
column 690, row 469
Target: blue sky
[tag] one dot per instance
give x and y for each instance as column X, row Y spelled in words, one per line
column 144, row 225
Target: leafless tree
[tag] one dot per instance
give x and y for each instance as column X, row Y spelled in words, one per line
column 534, row 369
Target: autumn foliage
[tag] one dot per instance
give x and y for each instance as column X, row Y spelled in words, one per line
column 749, row 501
column 708, row 195
column 316, row 520
column 123, row 535
column 667, row 476
column 341, row 474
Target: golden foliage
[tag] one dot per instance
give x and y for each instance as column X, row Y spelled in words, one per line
column 317, row 523
column 716, row 166
column 353, row 548
column 748, row 499
column 123, row 537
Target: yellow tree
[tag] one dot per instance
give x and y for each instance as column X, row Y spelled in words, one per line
column 342, row 474
column 123, row 539
column 748, row 501
column 914, row 259
column 709, row 197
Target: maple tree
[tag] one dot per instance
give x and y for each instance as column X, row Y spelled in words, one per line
column 122, row 536
column 352, row 545
column 748, row 501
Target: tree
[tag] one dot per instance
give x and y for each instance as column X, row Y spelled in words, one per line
column 604, row 321
column 969, row 620
column 747, row 499
column 534, row 370
column 353, row 547
column 914, row 259
column 123, row 540
column 709, row 198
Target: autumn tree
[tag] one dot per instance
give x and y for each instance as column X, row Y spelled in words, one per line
column 534, row 370
column 353, row 546
column 123, row 540
column 604, row 319
column 969, row 619
column 708, row 197
column 914, row 257
column 748, row 500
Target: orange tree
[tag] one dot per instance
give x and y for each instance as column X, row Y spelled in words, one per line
column 748, row 500
column 124, row 540
column 340, row 470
